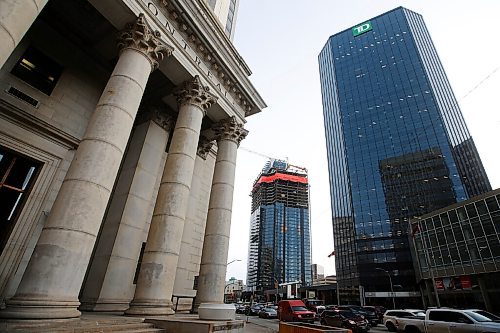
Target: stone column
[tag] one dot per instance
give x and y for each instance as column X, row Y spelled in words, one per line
column 109, row 286
column 16, row 17
column 155, row 284
column 211, row 281
column 53, row 278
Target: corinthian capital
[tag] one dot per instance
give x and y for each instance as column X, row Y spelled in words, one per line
column 195, row 93
column 139, row 36
column 204, row 147
column 157, row 114
column 229, row 129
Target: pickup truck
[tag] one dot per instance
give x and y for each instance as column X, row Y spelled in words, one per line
column 444, row 320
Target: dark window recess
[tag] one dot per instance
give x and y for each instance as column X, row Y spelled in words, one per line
column 138, row 268
column 17, row 176
column 38, row 70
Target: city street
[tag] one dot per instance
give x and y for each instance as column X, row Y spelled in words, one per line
column 273, row 326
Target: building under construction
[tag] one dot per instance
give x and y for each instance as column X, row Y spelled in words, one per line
column 280, row 245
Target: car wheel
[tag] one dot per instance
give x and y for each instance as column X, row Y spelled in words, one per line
column 322, row 322
column 390, row 326
column 412, row 329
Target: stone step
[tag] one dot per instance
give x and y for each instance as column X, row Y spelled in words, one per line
column 148, row 330
column 89, row 327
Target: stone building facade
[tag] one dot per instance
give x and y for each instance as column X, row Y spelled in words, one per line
column 119, row 127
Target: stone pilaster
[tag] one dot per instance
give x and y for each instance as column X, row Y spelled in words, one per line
column 229, row 134
column 109, row 285
column 156, row 278
column 51, row 283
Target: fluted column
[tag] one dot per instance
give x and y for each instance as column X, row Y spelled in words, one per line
column 211, row 281
column 156, row 277
column 16, row 17
column 53, row 278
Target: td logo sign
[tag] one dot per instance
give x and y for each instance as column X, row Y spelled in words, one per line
column 361, row 29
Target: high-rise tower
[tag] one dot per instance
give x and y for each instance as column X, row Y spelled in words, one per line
column 397, row 147
column 280, row 246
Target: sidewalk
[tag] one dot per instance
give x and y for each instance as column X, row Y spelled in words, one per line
column 255, row 328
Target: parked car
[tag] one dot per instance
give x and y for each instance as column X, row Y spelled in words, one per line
column 294, row 310
column 268, row 313
column 451, row 320
column 254, row 310
column 344, row 319
column 379, row 311
column 391, row 317
column 315, row 305
column 370, row 316
column 242, row 308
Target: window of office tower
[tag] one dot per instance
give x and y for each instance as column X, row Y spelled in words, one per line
column 17, row 176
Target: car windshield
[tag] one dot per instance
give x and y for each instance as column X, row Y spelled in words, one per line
column 299, row 308
column 348, row 314
column 482, row 316
column 269, row 310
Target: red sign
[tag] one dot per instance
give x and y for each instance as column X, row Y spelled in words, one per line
column 466, row 282
column 282, row 176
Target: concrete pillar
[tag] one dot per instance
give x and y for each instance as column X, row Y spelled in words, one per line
column 109, row 284
column 211, row 281
column 429, row 288
column 484, row 293
column 53, row 278
column 16, row 17
column 156, row 277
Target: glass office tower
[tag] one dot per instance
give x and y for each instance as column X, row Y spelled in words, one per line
column 397, row 147
column 280, row 243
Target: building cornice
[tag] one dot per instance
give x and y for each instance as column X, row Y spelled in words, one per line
column 215, row 49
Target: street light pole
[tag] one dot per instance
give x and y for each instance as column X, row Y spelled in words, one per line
column 392, row 287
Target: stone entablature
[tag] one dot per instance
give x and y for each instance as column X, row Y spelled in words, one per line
column 232, row 84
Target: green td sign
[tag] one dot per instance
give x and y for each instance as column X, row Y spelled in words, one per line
column 361, row 29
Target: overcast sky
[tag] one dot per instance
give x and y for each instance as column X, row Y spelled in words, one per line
column 280, row 40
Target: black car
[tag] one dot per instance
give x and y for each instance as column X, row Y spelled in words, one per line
column 359, row 310
column 377, row 310
column 254, row 310
column 345, row 319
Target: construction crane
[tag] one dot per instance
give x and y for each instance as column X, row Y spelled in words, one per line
column 273, row 158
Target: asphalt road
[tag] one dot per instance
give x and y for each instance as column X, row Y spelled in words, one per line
column 273, row 325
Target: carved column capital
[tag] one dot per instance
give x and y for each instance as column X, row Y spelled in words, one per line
column 140, row 37
column 229, row 129
column 158, row 115
column 204, row 146
column 195, row 93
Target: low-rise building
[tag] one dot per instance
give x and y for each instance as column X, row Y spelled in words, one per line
column 456, row 252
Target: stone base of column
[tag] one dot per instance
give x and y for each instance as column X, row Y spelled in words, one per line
column 148, row 308
column 105, row 306
column 216, row 311
column 40, row 309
